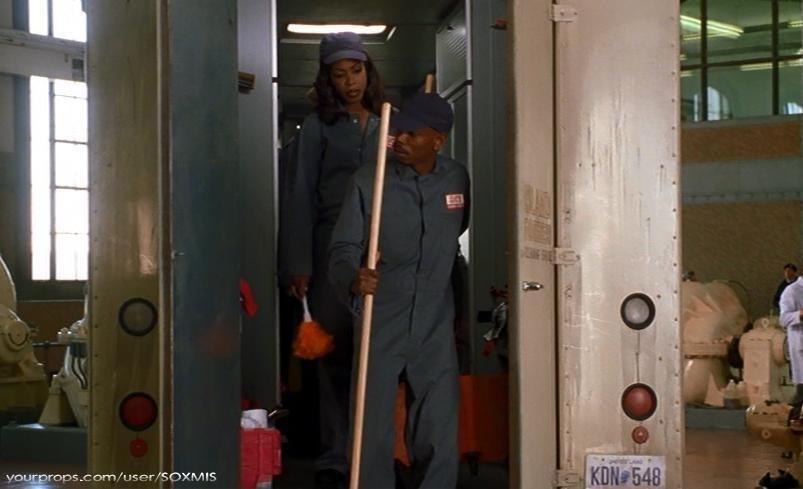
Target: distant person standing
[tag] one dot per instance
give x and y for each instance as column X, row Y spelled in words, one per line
column 791, row 320
column 789, row 276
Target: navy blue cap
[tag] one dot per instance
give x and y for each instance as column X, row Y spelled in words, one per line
column 342, row 45
column 423, row 110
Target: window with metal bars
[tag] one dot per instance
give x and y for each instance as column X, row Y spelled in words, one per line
column 740, row 58
column 59, row 193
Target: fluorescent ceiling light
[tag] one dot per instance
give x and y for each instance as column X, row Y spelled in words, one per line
column 795, row 24
column 768, row 66
column 320, row 29
column 715, row 29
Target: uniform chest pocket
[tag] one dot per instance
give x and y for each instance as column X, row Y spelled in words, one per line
column 446, row 229
column 399, row 236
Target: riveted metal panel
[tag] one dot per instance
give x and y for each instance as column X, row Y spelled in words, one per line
column 124, row 228
column 531, row 226
column 618, row 208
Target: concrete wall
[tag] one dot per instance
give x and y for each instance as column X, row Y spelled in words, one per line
column 746, row 241
column 742, row 193
column 762, row 138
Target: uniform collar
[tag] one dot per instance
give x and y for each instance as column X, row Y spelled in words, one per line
column 342, row 109
column 407, row 173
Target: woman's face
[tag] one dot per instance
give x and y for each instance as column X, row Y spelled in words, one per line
column 350, row 80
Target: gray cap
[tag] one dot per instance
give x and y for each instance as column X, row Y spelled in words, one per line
column 342, row 45
column 423, row 110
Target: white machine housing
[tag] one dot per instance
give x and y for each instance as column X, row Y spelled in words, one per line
column 712, row 315
column 765, row 362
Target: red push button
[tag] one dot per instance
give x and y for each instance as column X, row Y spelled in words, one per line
column 639, row 402
column 138, row 411
column 640, row 435
column 138, row 448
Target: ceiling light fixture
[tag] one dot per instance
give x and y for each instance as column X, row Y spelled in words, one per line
column 321, row 29
column 715, row 29
column 792, row 63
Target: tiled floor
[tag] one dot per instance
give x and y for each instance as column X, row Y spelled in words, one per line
column 714, row 460
column 719, row 459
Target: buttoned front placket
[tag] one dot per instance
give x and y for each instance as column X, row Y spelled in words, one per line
column 370, row 131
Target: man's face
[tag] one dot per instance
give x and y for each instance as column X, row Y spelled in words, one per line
column 789, row 274
column 418, row 146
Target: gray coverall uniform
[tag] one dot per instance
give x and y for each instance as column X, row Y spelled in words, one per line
column 326, row 157
column 413, row 321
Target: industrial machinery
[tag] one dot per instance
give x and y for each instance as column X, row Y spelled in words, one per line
column 23, row 385
column 712, row 317
column 714, row 341
column 763, row 350
column 68, row 401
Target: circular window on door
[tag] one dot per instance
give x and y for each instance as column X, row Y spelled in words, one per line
column 137, row 316
column 637, row 311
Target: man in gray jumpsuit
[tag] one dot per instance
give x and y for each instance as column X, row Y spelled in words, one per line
column 425, row 210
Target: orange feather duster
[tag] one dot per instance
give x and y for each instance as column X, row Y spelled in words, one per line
column 311, row 341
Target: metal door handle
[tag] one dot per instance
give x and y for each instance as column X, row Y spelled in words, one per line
column 527, row 286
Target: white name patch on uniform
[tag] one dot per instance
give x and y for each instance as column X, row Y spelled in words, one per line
column 455, row 201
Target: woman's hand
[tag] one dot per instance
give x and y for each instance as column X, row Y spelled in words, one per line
column 298, row 286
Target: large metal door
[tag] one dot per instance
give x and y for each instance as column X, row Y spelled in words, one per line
column 532, row 355
column 127, row 333
column 618, row 207
column 164, row 264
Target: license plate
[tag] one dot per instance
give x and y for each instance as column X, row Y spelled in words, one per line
column 625, row 472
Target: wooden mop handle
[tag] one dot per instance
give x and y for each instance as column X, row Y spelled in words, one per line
column 429, row 83
column 368, row 306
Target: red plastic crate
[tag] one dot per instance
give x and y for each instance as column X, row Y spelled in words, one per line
column 260, row 456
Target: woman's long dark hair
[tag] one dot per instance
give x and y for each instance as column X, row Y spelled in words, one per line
column 327, row 103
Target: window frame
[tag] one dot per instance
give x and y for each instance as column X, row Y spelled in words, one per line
column 27, row 288
column 704, row 66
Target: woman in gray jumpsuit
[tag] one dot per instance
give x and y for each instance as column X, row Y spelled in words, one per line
column 335, row 140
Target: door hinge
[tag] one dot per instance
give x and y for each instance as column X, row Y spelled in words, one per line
column 566, row 478
column 566, row 256
column 563, row 13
